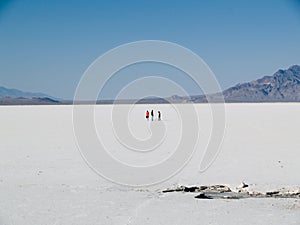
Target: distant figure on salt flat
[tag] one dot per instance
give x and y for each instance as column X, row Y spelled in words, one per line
column 159, row 115
column 152, row 114
column 147, row 115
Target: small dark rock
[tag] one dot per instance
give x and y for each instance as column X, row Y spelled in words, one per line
column 201, row 188
column 271, row 193
column 190, row 189
column 202, row 196
column 174, row 190
column 243, row 185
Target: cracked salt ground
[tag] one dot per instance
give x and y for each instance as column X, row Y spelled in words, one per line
column 68, row 192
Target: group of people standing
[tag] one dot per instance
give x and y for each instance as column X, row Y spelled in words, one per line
column 152, row 115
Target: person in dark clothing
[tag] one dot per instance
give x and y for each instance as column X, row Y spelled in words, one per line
column 159, row 115
column 152, row 115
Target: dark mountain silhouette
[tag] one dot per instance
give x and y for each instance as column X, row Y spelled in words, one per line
column 16, row 97
column 14, row 93
column 28, row 101
column 283, row 86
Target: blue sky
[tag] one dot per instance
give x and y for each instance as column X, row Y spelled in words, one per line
column 45, row 46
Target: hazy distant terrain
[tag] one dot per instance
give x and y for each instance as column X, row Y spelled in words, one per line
column 14, row 93
column 282, row 86
column 16, row 97
column 28, row 101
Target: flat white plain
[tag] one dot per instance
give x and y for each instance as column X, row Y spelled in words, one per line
column 44, row 180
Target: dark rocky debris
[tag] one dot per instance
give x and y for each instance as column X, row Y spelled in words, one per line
column 225, row 192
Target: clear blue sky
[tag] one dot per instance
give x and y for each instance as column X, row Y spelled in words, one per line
column 45, row 46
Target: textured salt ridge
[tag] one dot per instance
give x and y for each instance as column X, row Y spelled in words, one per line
column 225, row 192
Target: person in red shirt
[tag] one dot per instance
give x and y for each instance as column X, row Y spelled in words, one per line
column 147, row 115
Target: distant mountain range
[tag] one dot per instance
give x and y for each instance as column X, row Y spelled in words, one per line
column 17, row 97
column 282, row 86
column 14, row 93
column 28, row 101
